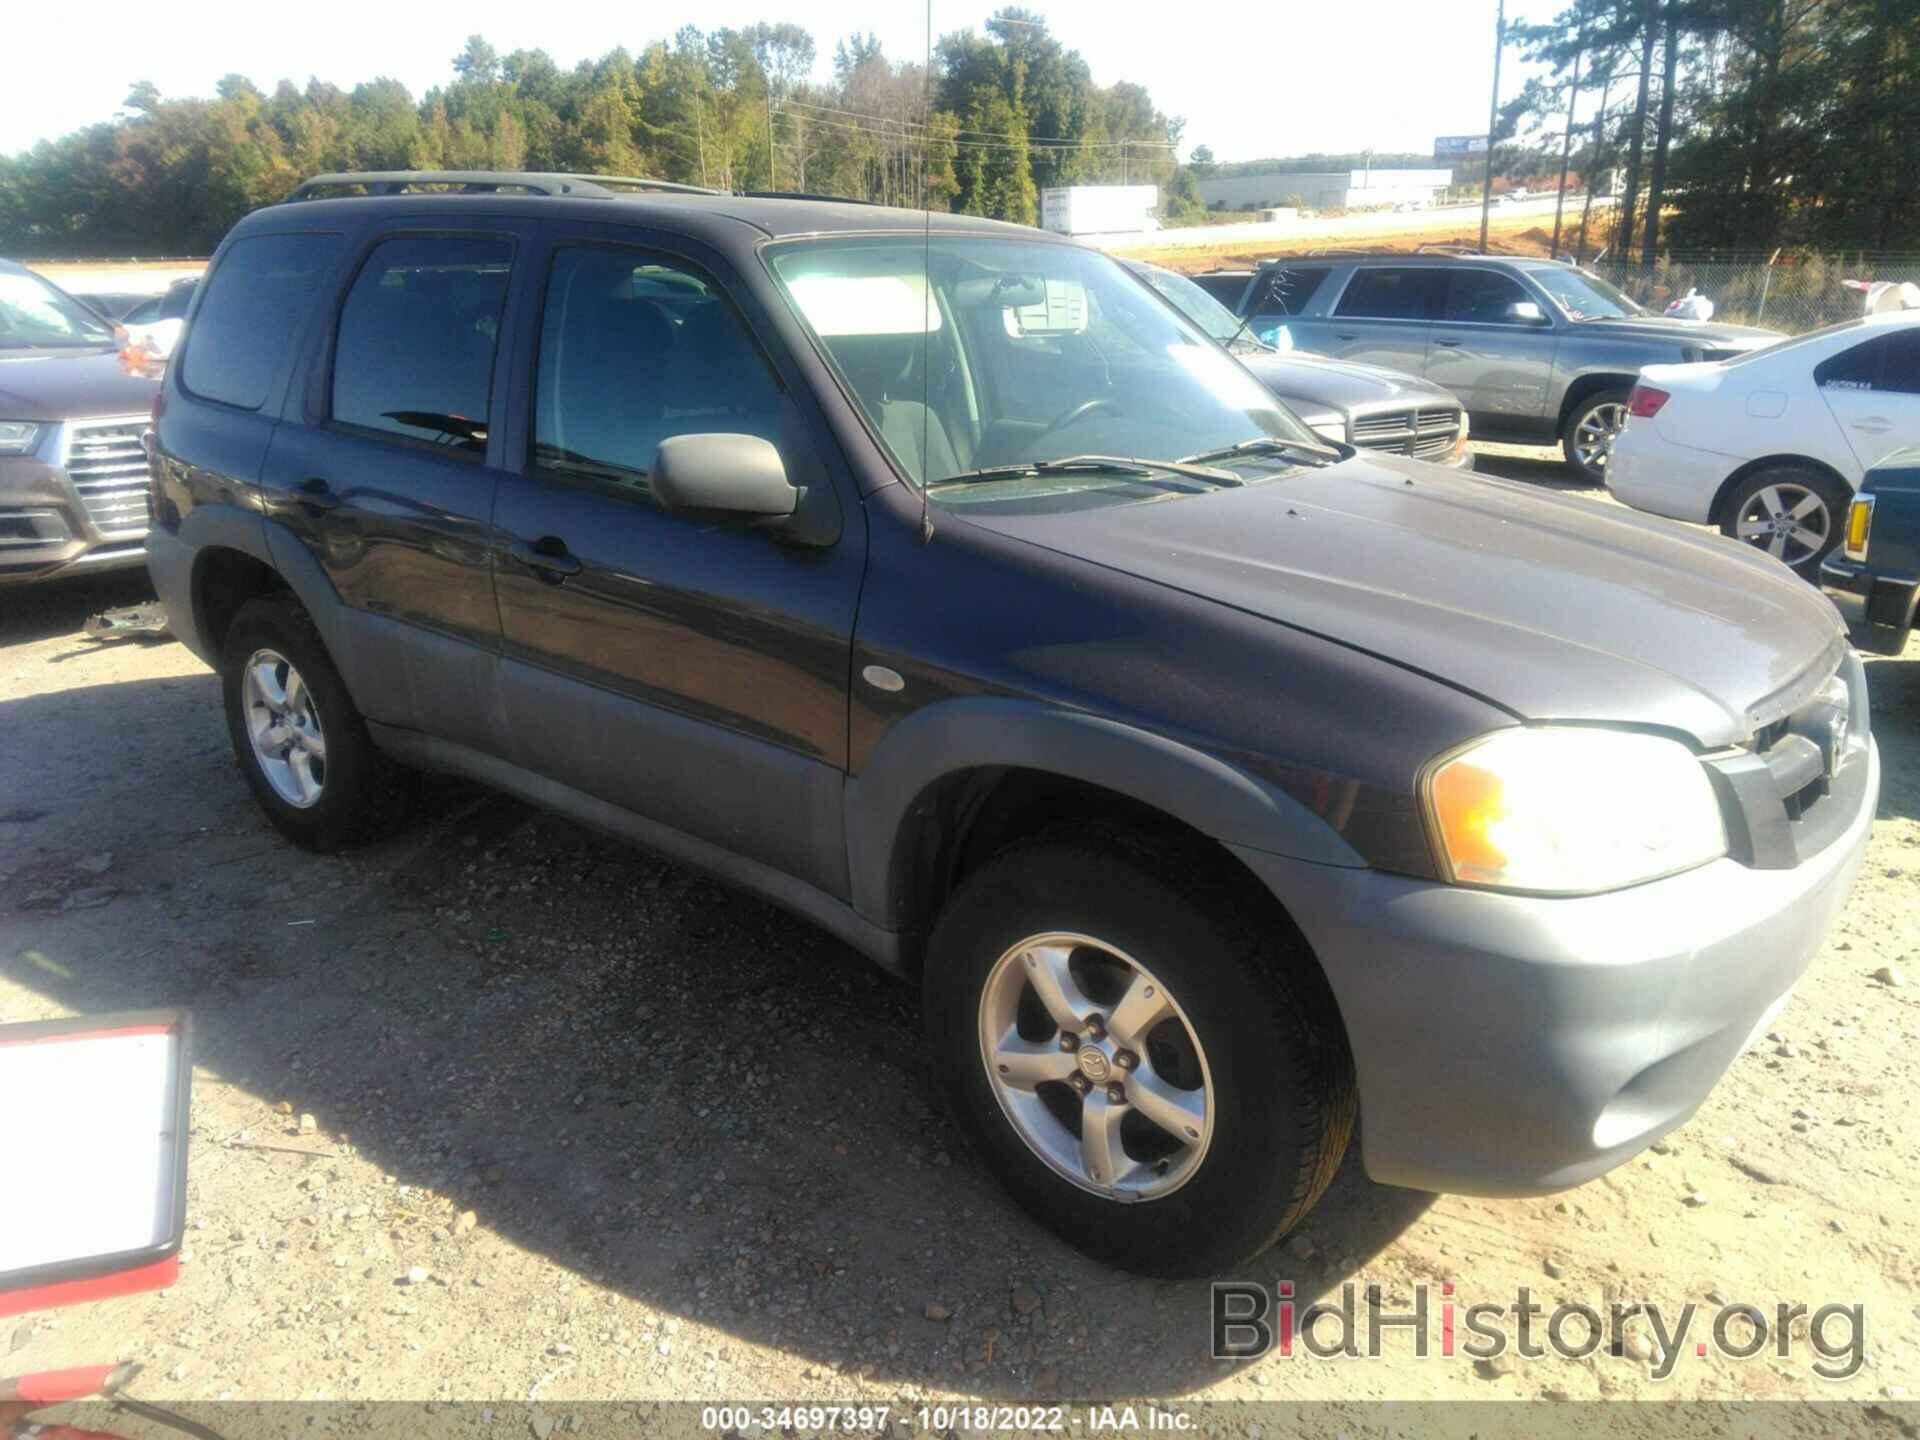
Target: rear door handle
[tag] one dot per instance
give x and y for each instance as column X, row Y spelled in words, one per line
column 1448, row 344
column 317, row 497
column 548, row 558
column 1345, row 337
column 1872, row 425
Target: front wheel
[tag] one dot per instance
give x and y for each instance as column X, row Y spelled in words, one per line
column 1148, row 1066
column 1793, row 514
column 1587, row 439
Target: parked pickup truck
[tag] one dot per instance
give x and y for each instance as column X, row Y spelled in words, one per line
column 1874, row 577
column 1536, row 350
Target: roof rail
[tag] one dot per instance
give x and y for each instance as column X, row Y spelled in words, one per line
column 481, row 182
column 803, row 195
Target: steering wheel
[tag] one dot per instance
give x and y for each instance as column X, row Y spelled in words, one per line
column 1079, row 413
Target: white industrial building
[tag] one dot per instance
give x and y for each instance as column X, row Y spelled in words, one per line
column 1325, row 190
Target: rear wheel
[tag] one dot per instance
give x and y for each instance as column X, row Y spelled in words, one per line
column 1161, row 1082
column 1587, row 439
column 1791, row 512
column 300, row 741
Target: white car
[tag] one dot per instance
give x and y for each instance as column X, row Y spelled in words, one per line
column 156, row 324
column 1771, row 445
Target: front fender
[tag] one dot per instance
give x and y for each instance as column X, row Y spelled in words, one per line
column 951, row 736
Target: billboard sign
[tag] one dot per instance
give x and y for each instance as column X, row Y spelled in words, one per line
column 1452, row 147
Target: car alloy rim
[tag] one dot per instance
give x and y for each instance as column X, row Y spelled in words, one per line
column 1096, row 1066
column 1789, row 522
column 288, row 743
column 1593, row 436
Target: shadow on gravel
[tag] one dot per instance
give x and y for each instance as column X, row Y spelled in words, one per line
column 1893, row 691
column 1537, row 467
column 661, row 1085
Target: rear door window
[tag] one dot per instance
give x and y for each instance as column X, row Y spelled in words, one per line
column 1293, row 286
column 414, row 355
column 257, row 299
column 1900, row 371
column 1389, row 293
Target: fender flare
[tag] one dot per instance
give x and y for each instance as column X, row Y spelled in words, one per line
column 212, row 527
column 950, row 736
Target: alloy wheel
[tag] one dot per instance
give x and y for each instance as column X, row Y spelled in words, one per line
column 1096, row 1066
column 288, row 742
column 1789, row 522
column 1593, row 435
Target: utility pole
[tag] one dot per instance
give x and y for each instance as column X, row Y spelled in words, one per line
column 1493, row 119
column 772, row 182
column 1566, row 148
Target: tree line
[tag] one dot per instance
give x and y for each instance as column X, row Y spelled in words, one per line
column 1734, row 126
column 1002, row 115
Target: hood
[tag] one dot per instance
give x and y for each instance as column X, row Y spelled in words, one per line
column 1553, row 608
column 1342, row 384
column 1708, row 334
column 70, row 385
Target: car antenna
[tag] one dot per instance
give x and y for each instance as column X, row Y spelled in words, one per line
column 926, row 293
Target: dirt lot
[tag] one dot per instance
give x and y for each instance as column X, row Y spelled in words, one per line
column 1507, row 234
column 587, row 1125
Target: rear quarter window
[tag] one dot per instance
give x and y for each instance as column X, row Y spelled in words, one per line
column 256, row 300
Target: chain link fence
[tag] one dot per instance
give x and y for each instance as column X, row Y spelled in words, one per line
column 1796, row 294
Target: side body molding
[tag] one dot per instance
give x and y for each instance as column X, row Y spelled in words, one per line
column 950, row 736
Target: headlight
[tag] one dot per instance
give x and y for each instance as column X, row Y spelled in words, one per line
column 17, row 437
column 1460, row 443
column 1859, row 527
column 1562, row 810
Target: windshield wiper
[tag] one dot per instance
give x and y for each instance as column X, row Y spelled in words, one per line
column 1095, row 464
column 1265, row 445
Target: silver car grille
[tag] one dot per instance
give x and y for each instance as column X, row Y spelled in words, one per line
column 108, row 467
column 1425, row 434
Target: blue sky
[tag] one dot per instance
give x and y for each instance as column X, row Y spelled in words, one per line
column 1276, row 79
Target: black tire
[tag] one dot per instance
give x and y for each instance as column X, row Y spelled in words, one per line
column 362, row 793
column 1283, row 1092
column 1570, row 433
column 1796, row 551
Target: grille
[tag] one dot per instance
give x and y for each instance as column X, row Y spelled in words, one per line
column 1424, row 434
column 108, row 467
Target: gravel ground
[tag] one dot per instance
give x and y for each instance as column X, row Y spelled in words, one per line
column 586, row 1125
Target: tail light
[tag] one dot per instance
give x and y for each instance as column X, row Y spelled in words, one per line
column 1645, row 401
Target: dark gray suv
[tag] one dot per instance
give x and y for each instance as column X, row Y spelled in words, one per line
column 1537, row 350
column 1217, row 785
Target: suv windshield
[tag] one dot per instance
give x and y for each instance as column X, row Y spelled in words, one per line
column 1581, row 296
column 971, row 354
column 34, row 315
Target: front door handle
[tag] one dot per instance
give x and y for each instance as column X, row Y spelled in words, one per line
column 1346, row 337
column 316, row 496
column 1448, row 344
column 548, row 558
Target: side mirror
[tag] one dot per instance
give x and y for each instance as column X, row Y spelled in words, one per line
column 94, row 1131
column 741, row 476
column 1526, row 312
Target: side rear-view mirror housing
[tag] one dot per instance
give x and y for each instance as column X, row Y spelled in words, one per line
column 1526, row 312
column 736, row 476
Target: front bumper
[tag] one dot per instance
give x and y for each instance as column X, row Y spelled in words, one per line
column 1879, row 609
column 48, row 527
column 1515, row 1045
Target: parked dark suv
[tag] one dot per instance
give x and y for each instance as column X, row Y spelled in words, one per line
column 936, row 580
column 1537, row 350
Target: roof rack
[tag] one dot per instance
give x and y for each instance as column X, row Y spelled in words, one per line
column 803, row 195
column 481, row 182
